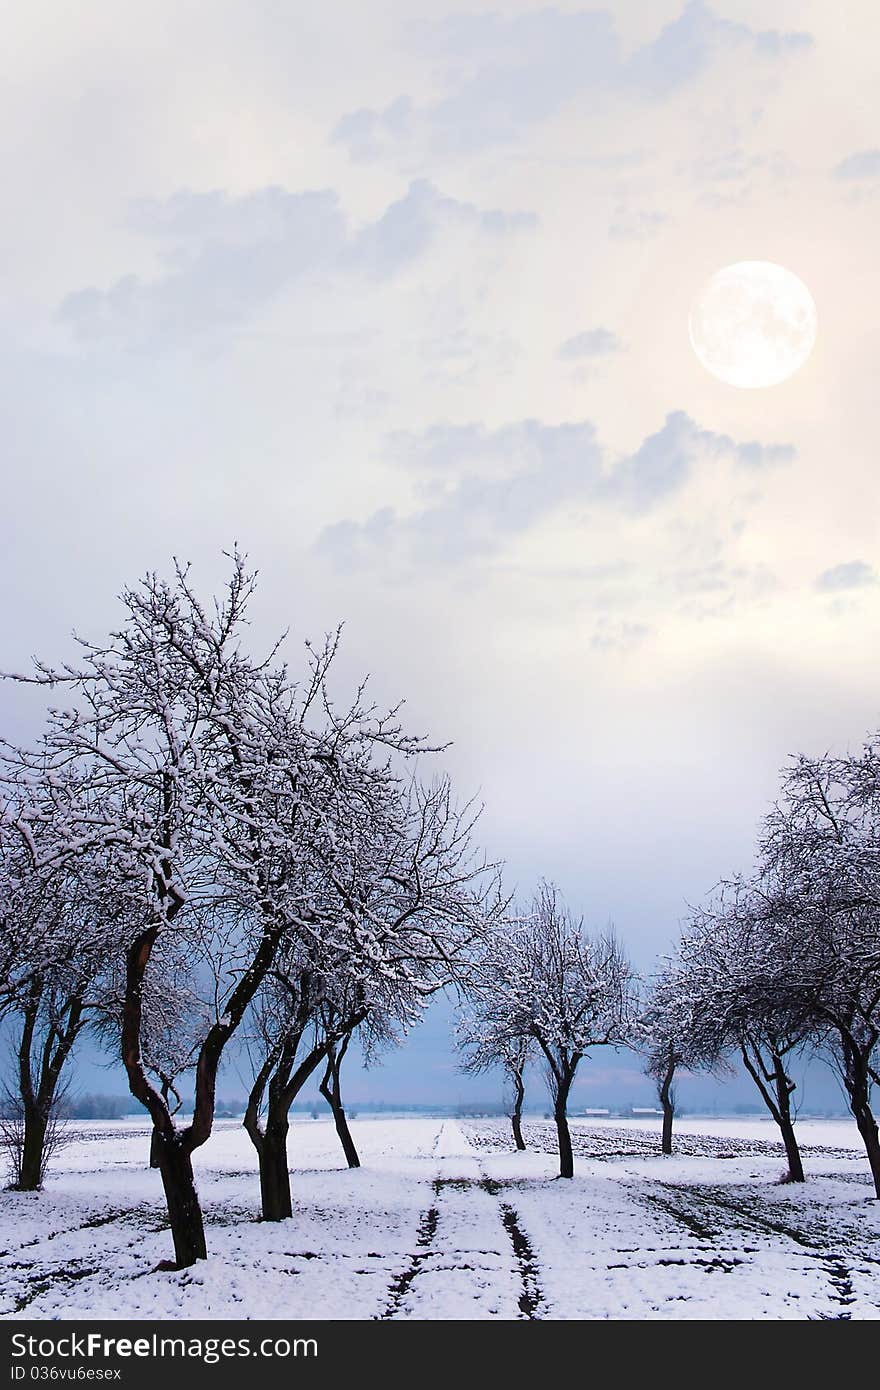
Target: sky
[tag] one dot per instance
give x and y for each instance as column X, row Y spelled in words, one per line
column 396, row 296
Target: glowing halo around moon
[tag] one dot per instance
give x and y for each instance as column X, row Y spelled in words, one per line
column 753, row 324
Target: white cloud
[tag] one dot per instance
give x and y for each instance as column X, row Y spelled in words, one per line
column 864, row 165
column 507, row 73
column 592, row 342
column 227, row 257
column 852, row 574
column 482, row 487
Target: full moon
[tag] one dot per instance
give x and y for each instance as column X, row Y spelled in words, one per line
column 753, row 324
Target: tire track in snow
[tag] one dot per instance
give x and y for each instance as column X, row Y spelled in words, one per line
column 453, row 1193
column 35, row 1275
column 121, row 1214
column 832, row 1262
column 400, row 1286
column 70, row 1274
column 532, row 1303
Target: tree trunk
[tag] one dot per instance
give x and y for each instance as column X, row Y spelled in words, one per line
column 331, row 1090
column 184, row 1212
column 30, row 1178
column 516, row 1117
column 274, row 1173
column 284, row 1084
column 39, row 1104
column 666, row 1135
column 784, row 1088
column 345, row 1139
column 668, row 1102
column 779, row 1106
column 560, row 1114
column 867, row 1126
column 857, row 1080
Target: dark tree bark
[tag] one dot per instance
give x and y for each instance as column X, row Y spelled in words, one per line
column 39, row 1095
column 857, row 1077
column 778, row 1102
column 172, row 1148
column 562, row 1067
column 566, row 1156
column 275, row 1195
column 285, row 1081
column 172, row 1157
column 31, row 1171
column 284, row 1087
column 270, row 1140
column 784, row 1088
column 330, row 1089
column 667, row 1100
column 516, row 1117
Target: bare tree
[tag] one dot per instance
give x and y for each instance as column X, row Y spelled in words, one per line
column 376, row 1031
column 283, row 1019
column 27, row 1166
column 57, row 931
column 208, row 776
column 331, row 1089
column 736, row 961
column 388, row 904
column 671, row 1036
column 559, row 986
column 821, row 845
column 483, row 1039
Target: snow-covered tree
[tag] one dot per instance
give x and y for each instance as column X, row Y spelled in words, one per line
column 736, row 957
column 821, row 846
column 486, row 1045
column 387, row 905
column 377, row 1031
column 671, row 1037
column 207, row 776
column 59, row 927
column 561, row 987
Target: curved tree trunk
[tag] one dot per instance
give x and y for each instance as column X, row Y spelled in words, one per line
column 330, row 1089
column 778, row 1105
column 271, row 1146
column 29, row 1177
column 561, row 1067
column 171, row 1148
column 274, row 1172
column 171, row 1157
column 857, row 1080
column 560, row 1114
column 516, row 1117
column 667, row 1100
column 39, row 1102
column 270, row 1141
column 784, row 1088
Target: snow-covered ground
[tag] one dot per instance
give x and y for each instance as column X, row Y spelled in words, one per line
column 444, row 1220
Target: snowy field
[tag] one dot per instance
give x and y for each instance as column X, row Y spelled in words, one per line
column 444, row 1220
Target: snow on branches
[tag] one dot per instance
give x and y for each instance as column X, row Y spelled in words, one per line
column 542, row 976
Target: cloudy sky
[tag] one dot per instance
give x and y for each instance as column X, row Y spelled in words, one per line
column 396, row 295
